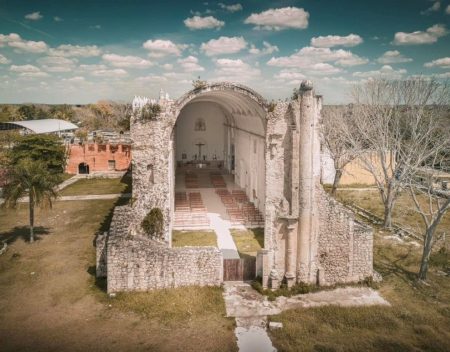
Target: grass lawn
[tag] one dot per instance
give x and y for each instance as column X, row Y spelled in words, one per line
column 403, row 214
column 248, row 242
column 98, row 186
column 418, row 319
column 194, row 238
column 50, row 300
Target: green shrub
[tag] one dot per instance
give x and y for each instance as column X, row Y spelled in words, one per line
column 150, row 112
column 153, row 223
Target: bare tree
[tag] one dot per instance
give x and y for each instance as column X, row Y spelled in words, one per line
column 336, row 123
column 396, row 123
column 430, row 197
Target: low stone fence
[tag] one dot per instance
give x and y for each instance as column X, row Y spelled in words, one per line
column 136, row 263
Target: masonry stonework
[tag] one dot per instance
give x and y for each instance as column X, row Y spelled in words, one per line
column 308, row 236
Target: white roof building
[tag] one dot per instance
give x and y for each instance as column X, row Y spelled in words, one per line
column 40, row 126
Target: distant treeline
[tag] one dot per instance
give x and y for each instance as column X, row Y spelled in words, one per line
column 101, row 115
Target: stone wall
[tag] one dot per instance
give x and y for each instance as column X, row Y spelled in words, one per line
column 345, row 245
column 137, row 263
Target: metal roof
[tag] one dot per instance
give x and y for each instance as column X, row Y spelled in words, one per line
column 40, row 126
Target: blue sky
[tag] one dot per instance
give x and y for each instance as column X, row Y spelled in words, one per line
column 84, row 51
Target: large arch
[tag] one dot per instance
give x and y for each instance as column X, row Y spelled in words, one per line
column 231, row 136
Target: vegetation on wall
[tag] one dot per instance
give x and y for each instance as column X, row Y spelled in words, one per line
column 150, row 112
column 153, row 223
column 199, row 83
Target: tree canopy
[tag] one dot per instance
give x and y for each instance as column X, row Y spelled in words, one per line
column 41, row 148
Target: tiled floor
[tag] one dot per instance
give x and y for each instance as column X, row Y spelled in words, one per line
column 208, row 199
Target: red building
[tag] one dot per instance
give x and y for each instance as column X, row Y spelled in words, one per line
column 88, row 158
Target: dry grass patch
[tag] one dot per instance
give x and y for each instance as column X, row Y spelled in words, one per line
column 175, row 307
column 248, row 242
column 48, row 290
column 418, row 319
column 86, row 186
column 404, row 213
column 194, row 238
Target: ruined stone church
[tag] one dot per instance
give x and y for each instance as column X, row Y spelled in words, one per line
column 222, row 154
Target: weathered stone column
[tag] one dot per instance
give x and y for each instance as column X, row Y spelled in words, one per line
column 291, row 251
column 306, row 226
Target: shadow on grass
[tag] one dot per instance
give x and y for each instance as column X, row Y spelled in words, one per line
column 100, row 282
column 23, row 232
column 387, row 266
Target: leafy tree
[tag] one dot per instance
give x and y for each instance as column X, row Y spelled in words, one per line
column 32, row 178
column 8, row 113
column 62, row 112
column 44, row 148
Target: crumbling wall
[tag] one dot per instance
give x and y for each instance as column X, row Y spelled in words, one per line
column 137, row 263
column 151, row 178
column 345, row 246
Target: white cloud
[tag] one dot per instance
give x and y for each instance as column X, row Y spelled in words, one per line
column 447, row 10
column 330, row 41
column 160, row 48
column 57, row 64
column 431, row 35
column 4, row 60
column 290, row 77
column 190, row 64
column 92, row 67
column 15, row 41
column 230, row 8
column 308, row 57
column 198, row 22
column 117, row 72
column 442, row 63
column 223, row 45
column 68, row 50
column 29, row 46
column 235, row 70
column 76, row 79
column 34, row 16
column 28, row 71
column 434, row 8
column 385, row 71
column 151, row 79
column 57, row 19
column 167, row 67
column 126, row 61
column 443, row 75
column 267, row 49
column 393, row 57
column 6, row 38
column 277, row 19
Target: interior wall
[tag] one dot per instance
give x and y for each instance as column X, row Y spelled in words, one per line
column 250, row 166
column 213, row 137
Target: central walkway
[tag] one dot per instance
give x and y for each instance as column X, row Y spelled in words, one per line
column 215, row 210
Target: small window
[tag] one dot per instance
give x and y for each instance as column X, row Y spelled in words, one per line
column 150, row 174
column 111, row 165
column 102, row 148
column 91, row 147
